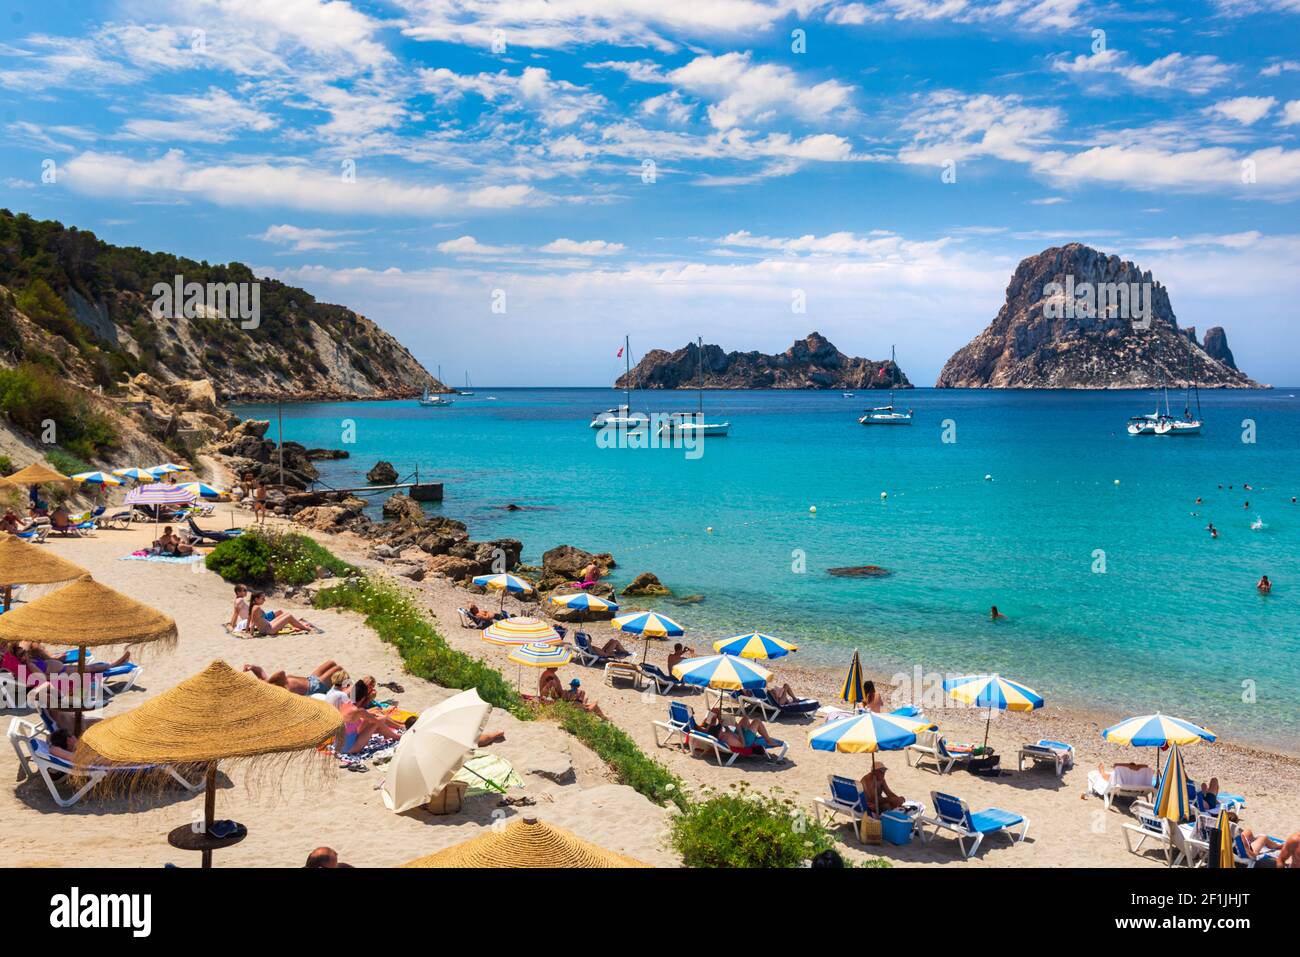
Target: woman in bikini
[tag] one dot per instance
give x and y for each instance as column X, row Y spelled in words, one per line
column 276, row 623
column 359, row 725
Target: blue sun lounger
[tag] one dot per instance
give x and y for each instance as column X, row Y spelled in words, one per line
column 760, row 700
column 954, row 815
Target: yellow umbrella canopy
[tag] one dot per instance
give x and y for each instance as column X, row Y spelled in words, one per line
column 86, row 614
column 526, row 842
column 216, row 715
column 37, row 474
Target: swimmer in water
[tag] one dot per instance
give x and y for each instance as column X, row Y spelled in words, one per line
column 1246, row 505
column 1198, row 500
column 994, row 614
column 1248, row 488
column 1214, row 532
column 1264, row 585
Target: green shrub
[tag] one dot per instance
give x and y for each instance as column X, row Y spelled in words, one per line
column 738, row 829
column 425, row 653
column 45, row 308
column 31, row 395
column 6, row 465
column 630, row 764
column 66, row 463
column 243, row 559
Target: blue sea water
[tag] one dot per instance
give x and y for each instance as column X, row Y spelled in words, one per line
column 1173, row 623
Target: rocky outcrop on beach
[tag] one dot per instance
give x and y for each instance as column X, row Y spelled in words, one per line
column 810, row 363
column 112, row 309
column 245, row 451
column 383, row 473
column 646, row 584
column 564, row 564
column 1076, row 318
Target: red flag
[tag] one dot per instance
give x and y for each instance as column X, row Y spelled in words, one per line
column 620, row 352
column 881, row 375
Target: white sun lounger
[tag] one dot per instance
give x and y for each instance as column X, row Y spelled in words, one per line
column 36, row 758
column 930, row 746
column 1107, row 790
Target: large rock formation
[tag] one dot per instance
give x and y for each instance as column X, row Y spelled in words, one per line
column 1216, row 346
column 1074, row 319
column 811, row 363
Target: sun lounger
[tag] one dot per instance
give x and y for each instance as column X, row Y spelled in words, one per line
column 35, row 535
column 1225, row 801
column 624, row 671
column 586, row 651
column 469, row 621
column 1149, row 826
column 36, row 758
column 662, row 681
column 845, row 798
column 761, row 701
column 1107, row 789
column 678, row 725
column 931, row 746
column 1057, row 753
column 681, row 725
column 952, row 814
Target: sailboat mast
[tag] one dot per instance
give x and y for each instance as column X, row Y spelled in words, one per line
column 893, row 364
column 627, row 377
column 700, row 356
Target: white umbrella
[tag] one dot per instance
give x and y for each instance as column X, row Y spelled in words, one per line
column 433, row 749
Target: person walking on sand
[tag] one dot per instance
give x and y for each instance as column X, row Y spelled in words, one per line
column 1264, row 585
column 259, row 502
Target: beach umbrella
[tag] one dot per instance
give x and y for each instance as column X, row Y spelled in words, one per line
column 158, row 471
column 521, row 631
column 1171, row 798
column 721, row 673
column 993, row 692
column 526, row 842
column 1156, row 731
column 21, row 564
column 537, row 655
column 217, row 715
column 648, row 624
column 202, row 489
column 868, row 733
column 852, row 691
column 433, row 749
column 1222, row 850
column 583, row 601
column 85, row 615
column 97, row 478
column 504, row 583
column 37, row 474
column 754, row 645
column 158, row 494
column 139, row 475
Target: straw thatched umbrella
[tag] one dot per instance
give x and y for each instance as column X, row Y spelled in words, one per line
column 218, row 715
column 37, row 474
column 85, row 615
column 526, row 842
column 21, row 564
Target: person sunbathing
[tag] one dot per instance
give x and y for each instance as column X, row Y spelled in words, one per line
column 36, row 658
column 678, row 654
column 270, row 623
column 610, row 649
column 481, row 618
column 550, row 688
column 876, row 792
column 1129, row 774
column 239, row 613
column 11, row 523
column 318, row 682
column 783, row 695
column 169, row 544
column 872, row 700
column 745, row 733
column 360, row 725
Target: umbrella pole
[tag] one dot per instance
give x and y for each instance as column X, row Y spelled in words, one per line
column 209, row 810
column 987, row 721
column 81, row 685
column 9, row 596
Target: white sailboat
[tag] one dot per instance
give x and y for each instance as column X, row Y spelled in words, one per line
column 622, row 416
column 692, row 423
column 1188, row 424
column 430, row 401
column 887, row 414
column 1156, row 423
column 469, row 387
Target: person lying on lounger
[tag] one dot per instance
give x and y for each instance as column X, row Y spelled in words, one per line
column 276, row 623
column 481, row 618
column 318, row 682
column 745, row 733
column 783, row 695
column 550, row 688
column 872, row 785
column 610, row 649
column 37, row 659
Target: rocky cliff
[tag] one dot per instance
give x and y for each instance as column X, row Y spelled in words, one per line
column 1075, row 318
column 120, row 311
column 810, row 363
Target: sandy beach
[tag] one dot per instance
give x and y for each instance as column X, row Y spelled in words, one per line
column 287, row 818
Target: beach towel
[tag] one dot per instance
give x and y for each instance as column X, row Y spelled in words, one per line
column 1132, row 778
column 143, row 556
column 491, row 766
column 377, row 748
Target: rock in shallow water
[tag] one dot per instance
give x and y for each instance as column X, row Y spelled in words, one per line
column 859, row 571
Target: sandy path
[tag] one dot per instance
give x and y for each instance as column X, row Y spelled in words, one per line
column 287, row 818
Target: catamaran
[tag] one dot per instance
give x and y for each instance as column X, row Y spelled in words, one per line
column 622, row 416
column 887, row 414
column 692, row 423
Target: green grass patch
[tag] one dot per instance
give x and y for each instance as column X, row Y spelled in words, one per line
column 67, row 463
column 425, row 653
column 630, row 764
column 263, row 556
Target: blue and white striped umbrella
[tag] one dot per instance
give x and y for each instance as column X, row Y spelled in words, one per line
column 867, row 732
column 724, row 672
column 97, row 478
column 1156, row 731
column 754, row 645
column 649, row 624
column 140, row 475
column 993, row 691
column 583, row 601
column 506, row 583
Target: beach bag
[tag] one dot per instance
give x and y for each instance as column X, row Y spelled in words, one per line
column 449, row 800
column 987, row 766
column 869, row 830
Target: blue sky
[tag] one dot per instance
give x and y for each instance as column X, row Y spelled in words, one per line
column 503, row 151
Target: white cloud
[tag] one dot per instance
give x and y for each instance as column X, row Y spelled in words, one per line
column 590, row 247
column 1290, row 113
column 172, row 176
column 1174, row 71
column 211, row 117
column 300, row 239
column 1031, row 14
column 332, row 29
column 671, row 105
column 556, row 102
column 953, row 127
column 747, row 92
column 1278, row 67
column 469, row 246
column 1245, row 109
column 880, row 246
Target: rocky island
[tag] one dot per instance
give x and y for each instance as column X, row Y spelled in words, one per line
column 1075, row 318
column 810, row 363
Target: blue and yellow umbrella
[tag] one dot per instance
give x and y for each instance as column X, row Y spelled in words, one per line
column 537, row 655
column 649, row 624
column 1156, row 731
column 1223, row 855
column 852, row 691
column 583, row 601
column 867, row 732
column 158, row 471
column 722, row 672
column 504, row 583
column 97, row 478
column 140, row 475
column 203, row 489
column 1171, row 798
column 993, row 692
column 754, row 645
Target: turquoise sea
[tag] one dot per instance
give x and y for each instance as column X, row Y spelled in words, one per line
column 1173, row 623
